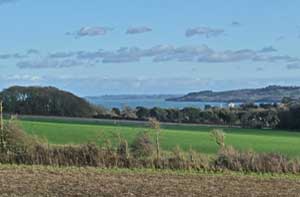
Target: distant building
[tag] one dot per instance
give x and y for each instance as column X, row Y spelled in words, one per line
column 231, row 105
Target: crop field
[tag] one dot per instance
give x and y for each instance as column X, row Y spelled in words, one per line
column 186, row 137
column 53, row 181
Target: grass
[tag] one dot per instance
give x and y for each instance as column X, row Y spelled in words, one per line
column 195, row 137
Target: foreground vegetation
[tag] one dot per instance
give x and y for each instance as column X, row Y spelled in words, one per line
column 66, row 181
column 17, row 147
column 198, row 138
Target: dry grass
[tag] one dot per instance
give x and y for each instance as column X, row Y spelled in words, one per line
column 249, row 161
column 48, row 181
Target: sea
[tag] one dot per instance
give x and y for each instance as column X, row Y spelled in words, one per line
column 110, row 103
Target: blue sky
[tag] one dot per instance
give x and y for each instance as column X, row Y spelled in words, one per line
column 159, row 46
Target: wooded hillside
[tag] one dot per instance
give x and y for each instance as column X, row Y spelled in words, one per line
column 45, row 101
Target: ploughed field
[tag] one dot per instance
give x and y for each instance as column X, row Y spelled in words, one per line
column 195, row 137
column 52, row 181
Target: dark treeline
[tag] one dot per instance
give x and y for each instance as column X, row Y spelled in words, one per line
column 285, row 115
column 45, row 101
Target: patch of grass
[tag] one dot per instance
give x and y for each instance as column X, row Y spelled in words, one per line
column 195, row 137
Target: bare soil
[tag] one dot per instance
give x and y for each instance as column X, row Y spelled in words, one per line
column 49, row 181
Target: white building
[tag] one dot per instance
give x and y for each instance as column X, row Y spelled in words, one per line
column 231, row 105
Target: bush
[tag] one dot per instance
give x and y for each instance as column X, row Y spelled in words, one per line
column 14, row 140
column 178, row 159
column 232, row 159
column 142, row 146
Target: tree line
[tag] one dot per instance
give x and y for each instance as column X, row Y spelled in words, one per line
column 54, row 102
column 285, row 115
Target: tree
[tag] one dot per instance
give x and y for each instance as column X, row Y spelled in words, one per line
column 290, row 118
column 174, row 115
column 159, row 113
column 269, row 118
column 190, row 114
column 116, row 111
column 142, row 113
column 128, row 113
column 228, row 116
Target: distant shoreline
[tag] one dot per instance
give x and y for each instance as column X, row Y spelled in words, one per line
column 270, row 94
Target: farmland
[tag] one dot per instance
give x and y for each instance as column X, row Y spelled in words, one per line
column 52, row 181
column 195, row 137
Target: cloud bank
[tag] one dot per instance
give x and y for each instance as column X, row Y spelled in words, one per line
column 158, row 53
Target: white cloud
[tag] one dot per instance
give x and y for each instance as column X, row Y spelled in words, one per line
column 91, row 31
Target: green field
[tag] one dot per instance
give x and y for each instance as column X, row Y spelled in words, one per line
column 195, row 137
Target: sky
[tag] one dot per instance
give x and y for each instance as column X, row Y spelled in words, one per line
column 149, row 47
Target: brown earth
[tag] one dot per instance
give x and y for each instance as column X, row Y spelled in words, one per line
column 48, row 181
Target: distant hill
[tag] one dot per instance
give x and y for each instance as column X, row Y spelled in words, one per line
column 268, row 94
column 45, row 101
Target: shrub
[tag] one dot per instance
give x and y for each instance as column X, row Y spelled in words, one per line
column 14, row 140
column 248, row 161
column 123, row 149
column 124, row 154
column 178, row 159
column 198, row 161
column 142, row 146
